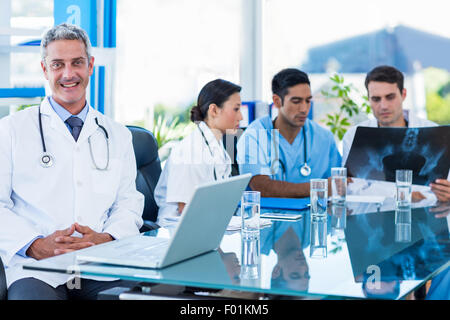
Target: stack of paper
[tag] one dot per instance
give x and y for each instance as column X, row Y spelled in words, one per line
column 236, row 223
column 365, row 199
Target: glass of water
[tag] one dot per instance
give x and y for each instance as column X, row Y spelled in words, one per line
column 403, row 181
column 250, row 212
column 318, row 197
column 338, row 185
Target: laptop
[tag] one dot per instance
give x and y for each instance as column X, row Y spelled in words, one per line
column 200, row 229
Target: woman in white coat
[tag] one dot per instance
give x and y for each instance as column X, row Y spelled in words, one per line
column 201, row 156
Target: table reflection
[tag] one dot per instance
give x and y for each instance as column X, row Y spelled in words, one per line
column 287, row 240
column 231, row 262
column 364, row 259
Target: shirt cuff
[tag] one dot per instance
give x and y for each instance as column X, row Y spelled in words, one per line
column 23, row 252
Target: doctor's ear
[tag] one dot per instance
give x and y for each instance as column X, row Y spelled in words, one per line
column 404, row 93
column 276, row 272
column 91, row 65
column 44, row 68
column 213, row 110
column 277, row 101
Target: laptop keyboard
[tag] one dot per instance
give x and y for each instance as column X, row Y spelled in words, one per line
column 148, row 251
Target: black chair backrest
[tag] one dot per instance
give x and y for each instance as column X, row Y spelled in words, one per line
column 148, row 168
column 230, row 142
column 3, row 288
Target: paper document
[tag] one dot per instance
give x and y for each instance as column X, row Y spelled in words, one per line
column 236, row 223
column 365, row 199
column 281, row 216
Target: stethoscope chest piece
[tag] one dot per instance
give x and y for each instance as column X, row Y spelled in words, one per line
column 46, row 160
column 305, row 170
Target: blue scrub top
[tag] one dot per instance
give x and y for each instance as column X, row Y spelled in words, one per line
column 256, row 153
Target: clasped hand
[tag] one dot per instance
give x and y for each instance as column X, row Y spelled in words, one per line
column 63, row 241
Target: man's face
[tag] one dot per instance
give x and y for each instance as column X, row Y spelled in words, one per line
column 67, row 70
column 296, row 104
column 386, row 101
column 295, row 269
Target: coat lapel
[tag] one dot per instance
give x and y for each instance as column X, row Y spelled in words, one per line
column 89, row 126
column 55, row 121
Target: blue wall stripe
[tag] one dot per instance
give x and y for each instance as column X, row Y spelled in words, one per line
column 92, row 84
column 101, row 89
column 22, row 92
column 109, row 23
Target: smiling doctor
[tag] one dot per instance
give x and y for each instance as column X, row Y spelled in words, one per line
column 68, row 175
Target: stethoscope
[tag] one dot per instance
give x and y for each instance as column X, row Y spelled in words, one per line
column 210, row 151
column 47, row 160
column 305, row 169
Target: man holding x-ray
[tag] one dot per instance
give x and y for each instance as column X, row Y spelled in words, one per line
column 386, row 92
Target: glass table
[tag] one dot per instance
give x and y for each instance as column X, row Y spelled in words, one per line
column 362, row 253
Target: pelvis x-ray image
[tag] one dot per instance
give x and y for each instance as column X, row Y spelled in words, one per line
column 377, row 152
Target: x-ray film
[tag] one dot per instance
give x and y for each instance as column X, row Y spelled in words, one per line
column 377, row 152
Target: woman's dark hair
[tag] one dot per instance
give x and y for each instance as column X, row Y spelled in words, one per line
column 385, row 74
column 215, row 92
column 287, row 78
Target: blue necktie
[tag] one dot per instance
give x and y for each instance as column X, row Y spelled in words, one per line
column 75, row 124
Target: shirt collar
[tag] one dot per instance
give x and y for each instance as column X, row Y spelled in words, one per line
column 213, row 143
column 406, row 117
column 64, row 114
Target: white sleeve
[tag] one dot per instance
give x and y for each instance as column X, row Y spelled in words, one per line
column 347, row 143
column 15, row 231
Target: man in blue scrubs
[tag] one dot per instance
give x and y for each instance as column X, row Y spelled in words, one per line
column 284, row 154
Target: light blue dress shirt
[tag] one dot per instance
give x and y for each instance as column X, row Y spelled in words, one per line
column 256, row 153
column 64, row 115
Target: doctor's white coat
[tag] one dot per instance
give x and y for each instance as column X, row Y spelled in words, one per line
column 36, row 201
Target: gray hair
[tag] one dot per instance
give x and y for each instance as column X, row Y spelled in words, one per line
column 65, row 31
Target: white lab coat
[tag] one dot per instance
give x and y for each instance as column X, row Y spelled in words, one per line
column 38, row 201
column 190, row 164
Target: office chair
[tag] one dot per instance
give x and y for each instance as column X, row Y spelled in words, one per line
column 3, row 288
column 148, row 172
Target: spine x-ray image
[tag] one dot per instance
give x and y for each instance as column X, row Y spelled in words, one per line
column 377, row 152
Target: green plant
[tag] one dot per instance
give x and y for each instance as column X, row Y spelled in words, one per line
column 172, row 112
column 438, row 108
column 165, row 132
column 337, row 246
column 24, row 106
column 437, row 86
column 338, row 122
